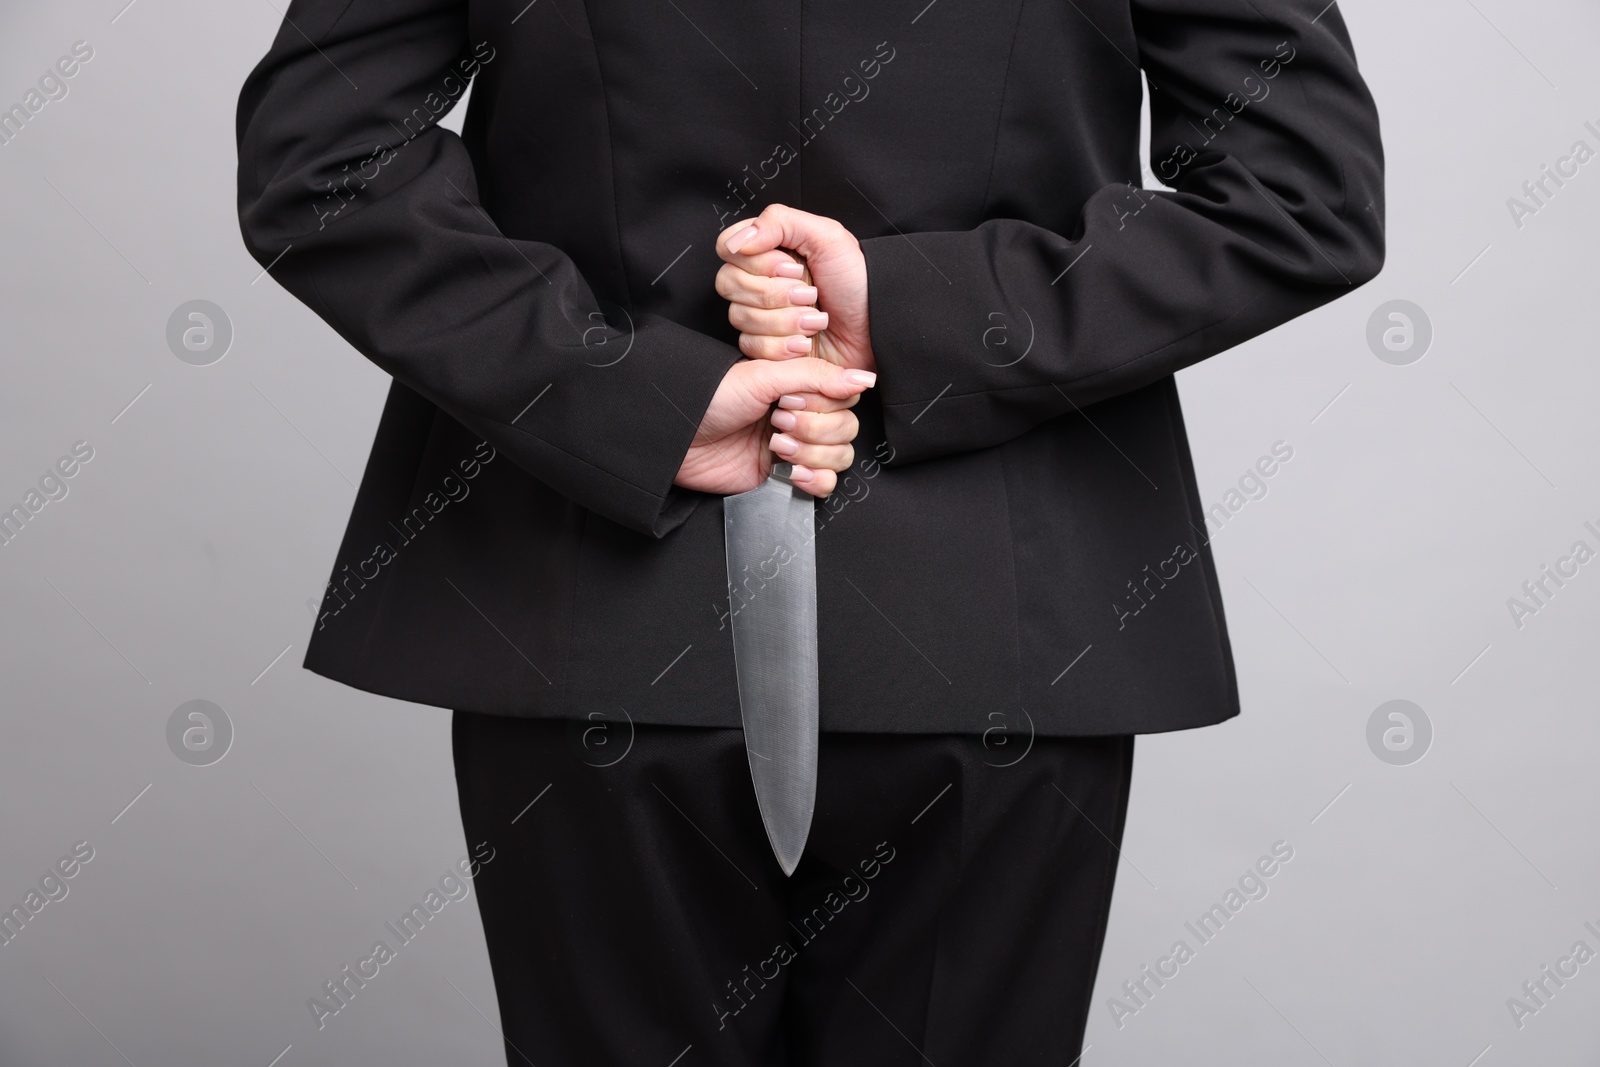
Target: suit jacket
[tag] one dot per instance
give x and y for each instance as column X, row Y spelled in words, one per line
column 1020, row 543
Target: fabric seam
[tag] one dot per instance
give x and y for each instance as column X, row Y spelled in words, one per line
column 1016, row 589
column 1000, row 112
column 611, row 162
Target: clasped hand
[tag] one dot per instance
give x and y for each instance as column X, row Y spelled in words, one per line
column 796, row 286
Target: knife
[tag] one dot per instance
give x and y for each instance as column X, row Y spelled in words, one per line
column 772, row 605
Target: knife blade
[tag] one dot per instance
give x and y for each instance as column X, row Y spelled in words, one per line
column 772, row 604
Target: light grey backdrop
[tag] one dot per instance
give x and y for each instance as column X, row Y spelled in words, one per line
column 1378, row 566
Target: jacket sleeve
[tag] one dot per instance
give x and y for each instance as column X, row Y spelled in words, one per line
column 367, row 211
column 1280, row 211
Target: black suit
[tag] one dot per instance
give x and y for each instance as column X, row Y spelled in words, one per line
column 544, row 284
column 1020, row 545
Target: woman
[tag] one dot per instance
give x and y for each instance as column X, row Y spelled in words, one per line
column 591, row 349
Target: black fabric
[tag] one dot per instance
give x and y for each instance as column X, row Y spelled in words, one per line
column 540, row 288
column 950, row 907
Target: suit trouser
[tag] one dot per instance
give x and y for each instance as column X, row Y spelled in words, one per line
column 950, row 907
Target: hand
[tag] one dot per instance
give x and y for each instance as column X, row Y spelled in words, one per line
column 730, row 453
column 773, row 304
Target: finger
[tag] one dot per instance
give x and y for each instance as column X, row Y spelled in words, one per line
column 817, row 483
column 727, row 238
column 770, row 379
column 779, row 226
column 817, row 428
column 757, row 347
column 816, row 402
column 776, row 263
column 776, row 322
column 789, row 267
column 740, row 286
column 734, row 243
column 817, row 457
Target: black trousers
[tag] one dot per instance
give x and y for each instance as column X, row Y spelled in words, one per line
column 950, row 907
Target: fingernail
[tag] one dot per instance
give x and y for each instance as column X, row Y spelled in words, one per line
column 798, row 345
column 791, row 400
column 800, row 474
column 790, row 270
column 803, row 294
column 784, row 445
column 814, row 320
column 785, row 420
column 860, row 377
column 740, row 239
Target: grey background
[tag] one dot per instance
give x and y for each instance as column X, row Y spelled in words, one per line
column 1377, row 567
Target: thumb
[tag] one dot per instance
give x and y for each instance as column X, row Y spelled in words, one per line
column 810, row 374
column 778, row 226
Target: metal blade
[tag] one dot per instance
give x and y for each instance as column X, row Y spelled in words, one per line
column 772, row 601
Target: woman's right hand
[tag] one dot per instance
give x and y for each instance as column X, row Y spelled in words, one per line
column 733, row 450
